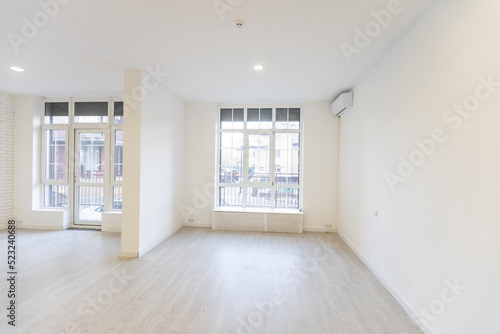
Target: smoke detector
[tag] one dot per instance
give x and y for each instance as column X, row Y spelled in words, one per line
column 239, row 23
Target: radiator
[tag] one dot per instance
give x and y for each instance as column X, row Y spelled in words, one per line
column 258, row 221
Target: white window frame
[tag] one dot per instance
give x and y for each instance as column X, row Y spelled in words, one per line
column 114, row 128
column 108, row 128
column 245, row 184
column 43, row 180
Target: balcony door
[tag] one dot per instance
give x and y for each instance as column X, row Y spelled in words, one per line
column 90, row 176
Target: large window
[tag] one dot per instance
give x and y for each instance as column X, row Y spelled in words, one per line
column 82, row 157
column 259, row 158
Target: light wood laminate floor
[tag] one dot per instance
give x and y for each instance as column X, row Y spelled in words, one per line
column 198, row 281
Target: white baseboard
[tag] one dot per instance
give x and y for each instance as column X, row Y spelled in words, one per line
column 40, row 227
column 112, row 230
column 159, row 241
column 319, row 230
column 386, row 284
column 199, row 224
column 129, row 254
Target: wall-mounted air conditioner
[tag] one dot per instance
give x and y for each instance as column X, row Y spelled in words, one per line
column 342, row 103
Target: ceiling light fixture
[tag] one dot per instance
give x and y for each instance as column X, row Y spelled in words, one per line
column 17, row 69
column 258, row 67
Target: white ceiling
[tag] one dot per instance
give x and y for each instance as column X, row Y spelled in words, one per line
column 86, row 46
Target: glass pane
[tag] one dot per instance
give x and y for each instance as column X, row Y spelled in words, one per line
column 226, row 140
column 118, row 113
column 281, row 118
column 294, row 118
column 56, row 113
column 258, row 197
column 287, row 158
column 231, row 158
column 118, row 170
column 226, row 119
column 55, row 154
column 266, row 118
column 253, row 118
column 287, row 198
column 55, row 196
column 230, row 196
column 117, row 198
column 90, row 203
column 91, row 158
column 258, row 158
column 91, row 112
column 238, row 122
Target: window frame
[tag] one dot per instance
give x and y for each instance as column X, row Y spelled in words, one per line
column 49, row 182
column 70, row 129
column 246, row 184
column 113, row 183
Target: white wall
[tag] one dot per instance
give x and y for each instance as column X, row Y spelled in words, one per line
column 6, row 158
column 199, row 162
column 442, row 223
column 27, row 169
column 154, row 157
column 320, row 165
column 162, row 166
column 321, row 131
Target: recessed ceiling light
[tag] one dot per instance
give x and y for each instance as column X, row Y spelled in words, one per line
column 258, row 67
column 17, row 69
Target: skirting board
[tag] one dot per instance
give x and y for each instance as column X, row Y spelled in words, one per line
column 128, row 254
column 319, row 230
column 199, row 224
column 159, row 240
column 40, row 227
column 113, row 230
column 386, row 284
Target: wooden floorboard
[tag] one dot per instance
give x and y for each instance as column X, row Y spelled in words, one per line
column 198, row 281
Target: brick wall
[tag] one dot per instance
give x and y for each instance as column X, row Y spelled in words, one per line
column 6, row 158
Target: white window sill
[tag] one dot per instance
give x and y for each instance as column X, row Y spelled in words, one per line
column 258, row 210
column 51, row 209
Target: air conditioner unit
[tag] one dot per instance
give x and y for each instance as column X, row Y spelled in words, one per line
column 343, row 102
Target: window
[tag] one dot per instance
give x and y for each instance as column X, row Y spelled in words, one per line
column 118, row 113
column 91, row 112
column 82, row 157
column 259, row 158
column 54, row 155
column 117, row 151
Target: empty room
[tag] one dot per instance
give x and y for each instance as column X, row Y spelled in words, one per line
column 250, row 167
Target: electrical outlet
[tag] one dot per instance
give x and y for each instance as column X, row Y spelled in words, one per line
column 191, row 220
column 328, row 227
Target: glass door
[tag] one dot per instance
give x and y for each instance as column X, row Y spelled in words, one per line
column 90, row 175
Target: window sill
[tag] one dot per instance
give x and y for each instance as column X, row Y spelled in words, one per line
column 259, row 210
